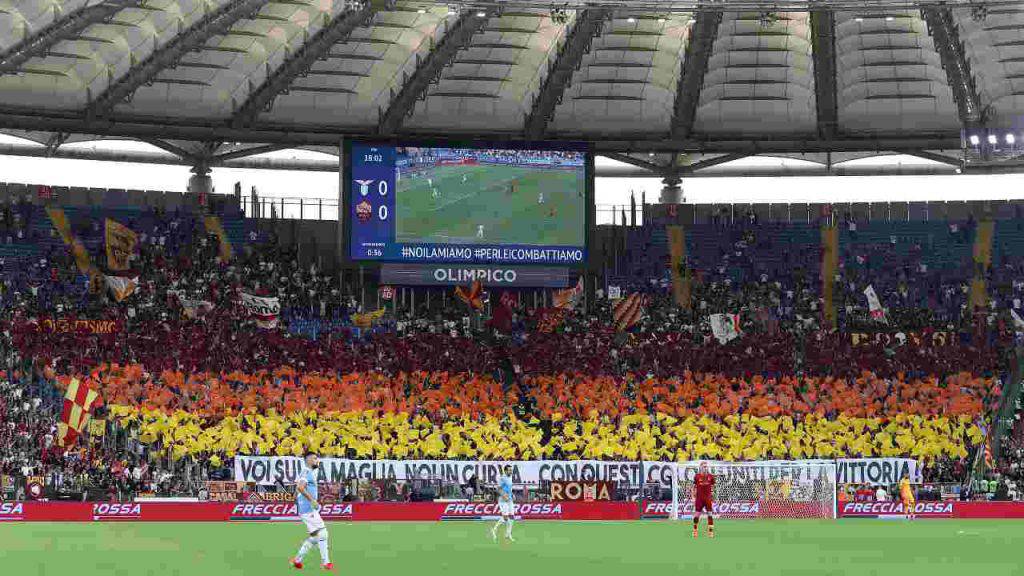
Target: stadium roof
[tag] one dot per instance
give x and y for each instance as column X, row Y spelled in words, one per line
column 214, row 80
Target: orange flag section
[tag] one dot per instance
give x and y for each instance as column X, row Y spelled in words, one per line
column 78, row 401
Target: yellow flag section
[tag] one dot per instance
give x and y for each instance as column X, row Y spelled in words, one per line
column 679, row 268
column 829, row 265
column 61, row 225
column 982, row 260
column 213, row 226
column 121, row 243
column 78, row 401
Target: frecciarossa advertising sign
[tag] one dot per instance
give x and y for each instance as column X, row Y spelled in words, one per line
column 438, row 511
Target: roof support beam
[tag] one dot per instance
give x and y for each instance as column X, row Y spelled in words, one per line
column 216, row 22
column 823, row 38
column 588, row 26
column 942, row 158
column 215, row 130
column 954, row 61
column 655, row 169
column 63, row 28
column 696, row 166
column 300, row 62
column 698, row 53
column 171, row 148
column 428, row 71
column 331, row 165
column 246, row 152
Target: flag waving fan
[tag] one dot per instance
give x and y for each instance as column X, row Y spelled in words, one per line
column 567, row 299
column 78, row 401
column 473, row 296
column 628, row 311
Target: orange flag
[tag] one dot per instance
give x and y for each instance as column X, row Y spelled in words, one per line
column 472, row 296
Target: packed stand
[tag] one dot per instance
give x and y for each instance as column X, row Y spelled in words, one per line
column 189, row 380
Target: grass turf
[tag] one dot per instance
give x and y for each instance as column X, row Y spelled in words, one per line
column 762, row 548
column 484, row 199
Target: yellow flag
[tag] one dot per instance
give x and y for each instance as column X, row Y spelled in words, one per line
column 97, row 428
column 121, row 243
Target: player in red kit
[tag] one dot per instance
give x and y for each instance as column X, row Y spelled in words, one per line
column 703, row 498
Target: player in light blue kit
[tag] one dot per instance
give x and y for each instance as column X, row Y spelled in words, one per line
column 306, row 494
column 506, row 505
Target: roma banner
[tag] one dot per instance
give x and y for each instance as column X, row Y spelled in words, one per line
column 264, row 309
column 78, row 401
column 582, row 490
column 121, row 244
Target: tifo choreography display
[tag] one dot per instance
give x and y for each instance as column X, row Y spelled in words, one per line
column 258, row 387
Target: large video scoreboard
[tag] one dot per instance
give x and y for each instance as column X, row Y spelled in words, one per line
column 470, row 205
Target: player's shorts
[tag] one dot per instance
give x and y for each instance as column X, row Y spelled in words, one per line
column 703, row 505
column 909, row 504
column 506, row 508
column 313, row 521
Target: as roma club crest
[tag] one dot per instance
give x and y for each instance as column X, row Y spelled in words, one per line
column 364, row 211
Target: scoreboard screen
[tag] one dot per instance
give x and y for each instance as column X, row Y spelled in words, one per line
column 466, row 205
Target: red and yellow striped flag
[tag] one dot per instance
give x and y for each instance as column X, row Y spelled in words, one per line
column 78, row 401
column 628, row 311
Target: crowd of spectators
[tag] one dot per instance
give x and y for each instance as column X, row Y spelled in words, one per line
column 189, row 379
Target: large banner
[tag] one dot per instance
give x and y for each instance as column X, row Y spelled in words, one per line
column 65, row 325
column 264, row 309
column 268, row 470
column 876, row 471
column 928, row 338
column 121, row 243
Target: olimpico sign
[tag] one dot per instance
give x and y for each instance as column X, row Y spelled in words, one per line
column 455, row 275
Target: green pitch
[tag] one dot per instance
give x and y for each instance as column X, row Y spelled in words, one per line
column 505, row 200
column 757, row 548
